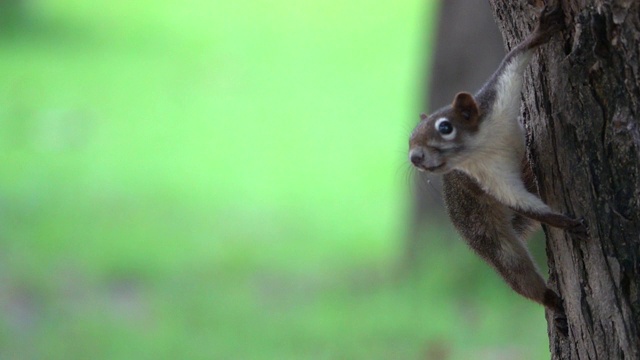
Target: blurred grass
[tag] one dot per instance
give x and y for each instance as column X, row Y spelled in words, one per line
column 227, row 180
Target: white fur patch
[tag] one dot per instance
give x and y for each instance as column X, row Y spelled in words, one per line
column 498, row 148
column 509, row 87
column 502, row 179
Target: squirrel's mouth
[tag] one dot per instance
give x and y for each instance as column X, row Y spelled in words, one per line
column 434, row 168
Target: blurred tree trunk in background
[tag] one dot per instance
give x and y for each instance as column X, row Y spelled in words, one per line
column 11, row 12
column 468, row 50
column 581, row 108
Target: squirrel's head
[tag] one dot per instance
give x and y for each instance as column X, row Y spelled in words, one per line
column 437, row 143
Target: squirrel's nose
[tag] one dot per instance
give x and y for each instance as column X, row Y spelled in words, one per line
column 416, row 157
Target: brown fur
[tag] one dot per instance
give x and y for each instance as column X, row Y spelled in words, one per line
column 488, row 227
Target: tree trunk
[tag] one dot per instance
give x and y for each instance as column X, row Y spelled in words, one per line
column 581, row 101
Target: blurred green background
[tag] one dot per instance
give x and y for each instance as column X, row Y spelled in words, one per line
column 228, row 180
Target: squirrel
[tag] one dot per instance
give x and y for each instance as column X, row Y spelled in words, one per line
column 490, row 193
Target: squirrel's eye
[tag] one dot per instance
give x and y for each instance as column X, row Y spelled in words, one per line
column 445, row 128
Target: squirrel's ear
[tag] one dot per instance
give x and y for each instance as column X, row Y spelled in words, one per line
column 466, row 106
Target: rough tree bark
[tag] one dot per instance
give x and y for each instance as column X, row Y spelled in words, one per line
column 581, row 103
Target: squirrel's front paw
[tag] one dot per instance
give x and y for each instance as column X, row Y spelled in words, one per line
column 580, row 229
column 551, row 20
